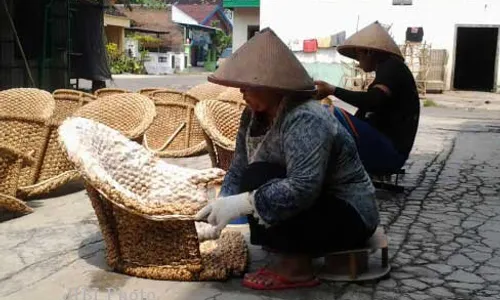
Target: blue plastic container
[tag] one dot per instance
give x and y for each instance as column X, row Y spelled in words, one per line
column 239, row 221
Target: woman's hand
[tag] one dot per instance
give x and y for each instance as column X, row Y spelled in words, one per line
column 324, row 89
column 221, row 211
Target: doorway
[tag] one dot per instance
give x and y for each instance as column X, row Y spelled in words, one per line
column 476, row 58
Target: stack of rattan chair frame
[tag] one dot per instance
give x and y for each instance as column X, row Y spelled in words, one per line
column 24, row 113
column 56, row 170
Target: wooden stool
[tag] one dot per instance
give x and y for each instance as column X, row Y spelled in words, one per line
column 354, row 265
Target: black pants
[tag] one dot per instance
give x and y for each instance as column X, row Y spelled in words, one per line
column 329, row 225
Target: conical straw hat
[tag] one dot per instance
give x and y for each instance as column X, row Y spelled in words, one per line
column 264, row 62
column 372, row 37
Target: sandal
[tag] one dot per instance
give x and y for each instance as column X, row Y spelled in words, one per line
column 272, row 281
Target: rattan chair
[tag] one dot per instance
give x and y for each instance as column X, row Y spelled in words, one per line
column 220, row 122
column 24, row 113
column 233, row 96
column 175, row 131
column 129, row 113
column 109, row 91
column 56, row 170
column 206, row 91
column 174, row 96
column 146, row 207
column 11, row 162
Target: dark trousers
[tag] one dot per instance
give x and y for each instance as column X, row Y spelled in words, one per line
column 329, row 225
column 376, row 151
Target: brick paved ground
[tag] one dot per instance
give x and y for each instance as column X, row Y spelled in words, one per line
column 444, row 231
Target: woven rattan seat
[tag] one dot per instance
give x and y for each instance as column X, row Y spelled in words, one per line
column 206, row 91
column 56, row 170
column 129, row 113
column 23, row 116
column 11, row 162
column 145, row 207
column 109, row 91
column 220, row 122
column 175, row 131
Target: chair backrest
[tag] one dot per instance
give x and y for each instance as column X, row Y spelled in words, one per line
column 54, row 163
column 233, row 96
column 109, row 91
column 175, row 132
column 220, row 122
column 174, row 96
column 148, row 91
column 129, row 113
column 206, row 91
column 23, row 116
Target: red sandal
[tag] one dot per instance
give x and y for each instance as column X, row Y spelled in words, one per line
column 277, row 282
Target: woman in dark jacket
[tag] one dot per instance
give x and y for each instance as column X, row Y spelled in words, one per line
column 295, row 174
column 388, row 113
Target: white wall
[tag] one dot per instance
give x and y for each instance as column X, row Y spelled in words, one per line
column 242, row 18
column 326, row 17
column 178, row 16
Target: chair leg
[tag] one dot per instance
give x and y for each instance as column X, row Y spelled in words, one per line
column 353, row 266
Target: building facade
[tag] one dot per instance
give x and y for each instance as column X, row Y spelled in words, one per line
column 246, row 20
column 467, row 30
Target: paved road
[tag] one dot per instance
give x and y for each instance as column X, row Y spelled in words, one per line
column 444, row 231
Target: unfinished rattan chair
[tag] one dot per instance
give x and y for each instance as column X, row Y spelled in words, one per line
column 129, row 113
column 146, row 207
column 220, row 122
column 109, row 91
column 174, row 96
column 175, row 132
column 24, row 113
column 56, row 170
column 233, row 96
column 11, row 163
column 206, row 91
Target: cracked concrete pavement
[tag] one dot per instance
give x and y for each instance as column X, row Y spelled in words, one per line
column 444, row 232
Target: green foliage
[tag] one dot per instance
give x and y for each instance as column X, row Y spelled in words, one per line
column 220, row 40
column 121, row 63
column 155, row 4
column 146, row 41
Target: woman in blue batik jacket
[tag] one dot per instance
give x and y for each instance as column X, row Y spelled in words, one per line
column 296, row 173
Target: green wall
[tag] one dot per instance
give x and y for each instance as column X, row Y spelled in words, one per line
column 329, row 72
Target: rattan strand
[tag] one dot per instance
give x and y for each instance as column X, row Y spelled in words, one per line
column 171, row 115
column 129, row 113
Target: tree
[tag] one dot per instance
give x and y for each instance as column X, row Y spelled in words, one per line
column 220, row 40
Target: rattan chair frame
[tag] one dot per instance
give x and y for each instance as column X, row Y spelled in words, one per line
column 109, row 91
column 157, row 132
column 56, row 170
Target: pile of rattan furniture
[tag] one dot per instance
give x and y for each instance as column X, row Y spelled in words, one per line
column 48, row 140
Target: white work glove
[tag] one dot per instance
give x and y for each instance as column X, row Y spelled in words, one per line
column 221, row 211
column 206, row 231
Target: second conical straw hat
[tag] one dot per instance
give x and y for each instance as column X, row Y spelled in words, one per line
column 372, row 37
column 264, row 62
